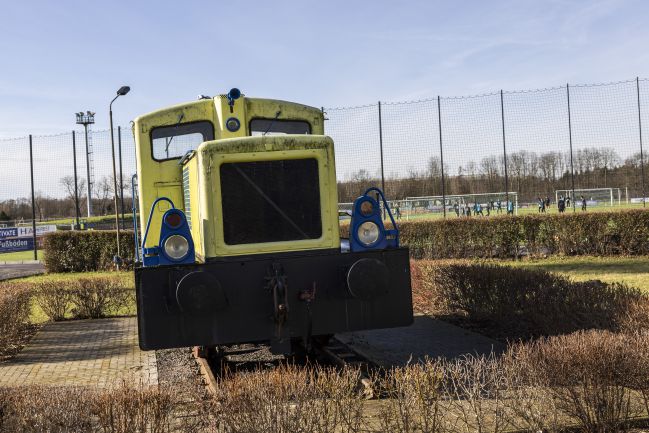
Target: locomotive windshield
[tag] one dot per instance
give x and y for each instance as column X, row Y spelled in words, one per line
column 270, row 201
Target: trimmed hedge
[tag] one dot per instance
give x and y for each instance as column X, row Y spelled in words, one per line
column 595, row 233
column 82, row 251
column 15, row 301
column 512, row 303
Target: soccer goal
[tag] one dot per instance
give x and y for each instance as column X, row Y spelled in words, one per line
column 492, row 203
column 593, row 196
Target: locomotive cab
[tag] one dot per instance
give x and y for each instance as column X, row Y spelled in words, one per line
column 239, row 200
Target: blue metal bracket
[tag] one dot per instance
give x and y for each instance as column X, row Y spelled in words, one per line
column 387, row 238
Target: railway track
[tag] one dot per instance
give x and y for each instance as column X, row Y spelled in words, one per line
column 214, row 363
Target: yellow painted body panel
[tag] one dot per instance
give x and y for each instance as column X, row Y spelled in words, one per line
column 164, row 178
column 213, row 154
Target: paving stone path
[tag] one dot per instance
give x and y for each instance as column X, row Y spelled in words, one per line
column 426, row 337
column 97, row 353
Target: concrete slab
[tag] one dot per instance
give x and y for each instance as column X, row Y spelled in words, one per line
column 97, row 353
column 425, row 338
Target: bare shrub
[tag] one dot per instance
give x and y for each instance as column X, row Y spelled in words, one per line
column 476, row 388
column 97, row 297
column 53, row 298
column 589, row 375
column 39, row 409
column 130, row 409
column 15, row 301
column 414, row 395
column 513, row 303
column 530, row 402
column 124, row 408
column 636, row 316
column 290, row 399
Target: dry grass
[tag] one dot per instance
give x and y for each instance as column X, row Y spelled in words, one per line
column 595, row 381
column 290, row 399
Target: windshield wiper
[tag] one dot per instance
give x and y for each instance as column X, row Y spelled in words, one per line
column 271, row 123
column 180, row 119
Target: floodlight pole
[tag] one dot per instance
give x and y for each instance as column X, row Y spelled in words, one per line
column 122, row 91
column 85, row 120
column 89, row 184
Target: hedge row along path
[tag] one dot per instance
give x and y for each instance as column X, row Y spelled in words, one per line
column 597, row 234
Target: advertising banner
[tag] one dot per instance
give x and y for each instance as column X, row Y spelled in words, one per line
column 14, row 239
column 17, row 244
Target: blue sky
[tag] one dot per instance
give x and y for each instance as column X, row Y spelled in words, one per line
column 65, row 56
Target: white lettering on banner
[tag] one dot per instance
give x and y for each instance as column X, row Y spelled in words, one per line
column 15, row 243
column 40, row 230
column 11, row 232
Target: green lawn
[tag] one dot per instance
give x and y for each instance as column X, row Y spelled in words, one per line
column 633, row 271
column 20, row 256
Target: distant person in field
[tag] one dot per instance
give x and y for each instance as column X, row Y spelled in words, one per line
column 397, row 210
column 561, row 204
column 468, row 210
column 583, row 203
column 541, row 204
column 547, row 202
column 489, row 204
column 478, row 209
column 463, row 210
column 499, row 206
column 456, row 208
column 510, row 207
column 568, row 201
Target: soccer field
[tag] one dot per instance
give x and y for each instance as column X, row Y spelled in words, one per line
column 524, row 209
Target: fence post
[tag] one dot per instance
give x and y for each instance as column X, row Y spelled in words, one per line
column 381, row 150
column 572, row 168
column 502, row 118
column 76, row 188
column 644, row 195
column 441, row 153
column 121, row 179
column 31, row 170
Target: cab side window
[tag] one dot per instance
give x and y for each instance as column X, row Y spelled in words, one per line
column 173, row 141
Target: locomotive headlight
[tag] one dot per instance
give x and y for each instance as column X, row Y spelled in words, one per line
column 368, row 233
column 176, row 247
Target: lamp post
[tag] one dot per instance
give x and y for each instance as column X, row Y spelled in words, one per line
column 120, row 92
column 87, row 119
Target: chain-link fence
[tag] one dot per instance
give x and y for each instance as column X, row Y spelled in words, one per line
column 574, row 142
column 577, row 145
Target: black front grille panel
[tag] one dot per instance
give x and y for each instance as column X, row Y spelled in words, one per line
column 270, row 201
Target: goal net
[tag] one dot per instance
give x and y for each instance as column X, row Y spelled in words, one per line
column 593, row 196
column 457, row 204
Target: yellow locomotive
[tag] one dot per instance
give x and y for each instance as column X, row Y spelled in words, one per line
column 241, row 244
